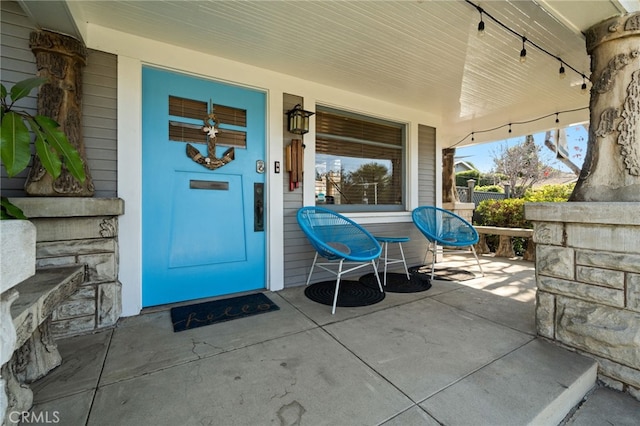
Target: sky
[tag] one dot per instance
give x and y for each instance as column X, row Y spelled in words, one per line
column 481, row 155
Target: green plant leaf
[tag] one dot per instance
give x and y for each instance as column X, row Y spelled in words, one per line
column 14, row 144
column 24, row 87
column 57, row 139
column 3, row 91
column 9, row 210
column 48, row 156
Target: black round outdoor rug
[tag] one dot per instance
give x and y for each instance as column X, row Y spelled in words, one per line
column 446, row 274
column 350, row 294
column 398, row 283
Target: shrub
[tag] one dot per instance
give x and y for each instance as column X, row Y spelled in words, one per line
column 490, row 188
column 507, row 213
column 549, row 193
column 463, row 177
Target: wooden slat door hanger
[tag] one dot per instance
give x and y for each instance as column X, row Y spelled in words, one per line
column 295, row 161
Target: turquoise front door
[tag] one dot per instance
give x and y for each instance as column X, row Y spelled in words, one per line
column 202, row 227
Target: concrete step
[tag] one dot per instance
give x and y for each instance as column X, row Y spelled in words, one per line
column 536, row 384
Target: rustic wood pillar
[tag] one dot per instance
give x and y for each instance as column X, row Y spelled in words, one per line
column 611, row 171
column 60, row 58
column 449, row 193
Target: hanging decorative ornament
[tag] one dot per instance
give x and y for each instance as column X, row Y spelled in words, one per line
column 211, row 162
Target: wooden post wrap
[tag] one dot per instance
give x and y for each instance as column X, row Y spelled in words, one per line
column 60, row 58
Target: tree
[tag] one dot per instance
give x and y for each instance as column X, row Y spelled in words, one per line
column 369, row 184
column 521, row 164
column 548, row 142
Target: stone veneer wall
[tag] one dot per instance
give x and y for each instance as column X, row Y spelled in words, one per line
column 588, row 278
column 83, row 231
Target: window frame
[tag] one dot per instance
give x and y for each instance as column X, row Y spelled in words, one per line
column 400, row 125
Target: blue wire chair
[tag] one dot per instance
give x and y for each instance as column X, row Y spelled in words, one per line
column 339, row 240
column 441, row 227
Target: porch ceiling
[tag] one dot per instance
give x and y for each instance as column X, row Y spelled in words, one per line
column 421, row 54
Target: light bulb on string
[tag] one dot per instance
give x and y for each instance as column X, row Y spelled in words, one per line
column 472, row 137
column 557, row 119
column 523, row 52
column 480, row 25
column 584, row 84
column 509, row 127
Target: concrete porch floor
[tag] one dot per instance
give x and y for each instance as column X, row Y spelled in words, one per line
column 461, row 353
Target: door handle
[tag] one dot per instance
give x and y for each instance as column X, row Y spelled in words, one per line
column 258, row 207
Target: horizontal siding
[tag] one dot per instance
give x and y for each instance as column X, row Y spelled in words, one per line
column 426, row 165
column 18, row 63
column 298, row 253
column 99, row 108
column 99, row 120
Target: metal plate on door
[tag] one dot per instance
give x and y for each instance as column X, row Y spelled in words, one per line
column 209, row 184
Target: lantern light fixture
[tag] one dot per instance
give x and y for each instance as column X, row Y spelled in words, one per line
column 298, row 120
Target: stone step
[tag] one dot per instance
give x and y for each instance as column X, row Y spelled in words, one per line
column 537, row 384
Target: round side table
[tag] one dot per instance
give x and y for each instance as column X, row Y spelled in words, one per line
column 385, row 246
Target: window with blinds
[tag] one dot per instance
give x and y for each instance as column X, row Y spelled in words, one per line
column 186, row 122
column 359, row 161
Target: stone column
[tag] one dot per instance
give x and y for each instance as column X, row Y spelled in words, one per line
column 587, row 252
column 588, row 283
column 60, row 58
column 611, row 171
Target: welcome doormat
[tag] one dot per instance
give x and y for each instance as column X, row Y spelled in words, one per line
column 398, row 283
column 446, row 274
column 350, row 294
column 207, row 313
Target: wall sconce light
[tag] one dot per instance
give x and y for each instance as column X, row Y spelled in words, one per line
column 299, row 120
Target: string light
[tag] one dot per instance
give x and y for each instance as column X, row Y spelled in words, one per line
column 472, row 134
column 584, row 84
column 480, row 24
column 523, row 52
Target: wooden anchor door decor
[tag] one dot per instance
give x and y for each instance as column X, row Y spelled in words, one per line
column 211, row 162
column 294, row 162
